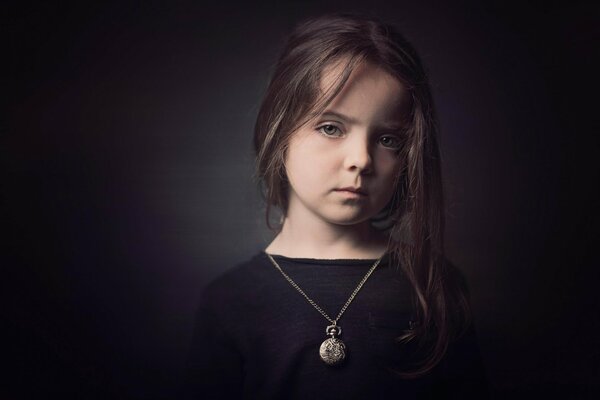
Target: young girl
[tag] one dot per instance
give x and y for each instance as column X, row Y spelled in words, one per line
column 353, row 297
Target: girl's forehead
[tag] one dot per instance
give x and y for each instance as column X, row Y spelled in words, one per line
column 370, row 91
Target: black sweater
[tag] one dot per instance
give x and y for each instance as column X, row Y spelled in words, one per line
column 258, row 337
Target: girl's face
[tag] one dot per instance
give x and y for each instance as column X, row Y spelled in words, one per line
column 353, row 144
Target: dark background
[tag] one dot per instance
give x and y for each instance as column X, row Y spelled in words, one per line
column 126, row 181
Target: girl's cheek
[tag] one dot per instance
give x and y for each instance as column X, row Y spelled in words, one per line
column 388, row 162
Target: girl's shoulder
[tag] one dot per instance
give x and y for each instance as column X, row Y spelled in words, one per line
column 237, row 282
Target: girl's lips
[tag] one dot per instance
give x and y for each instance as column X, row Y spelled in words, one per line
column 354, row 192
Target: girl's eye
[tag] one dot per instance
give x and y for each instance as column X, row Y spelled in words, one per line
column 391, row 142
column 330, row 130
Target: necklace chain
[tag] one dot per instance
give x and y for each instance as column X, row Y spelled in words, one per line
column 319, row 309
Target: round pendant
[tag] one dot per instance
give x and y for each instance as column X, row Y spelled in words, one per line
column 333, row 351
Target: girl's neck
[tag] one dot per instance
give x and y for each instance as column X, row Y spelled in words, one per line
column 328, row 241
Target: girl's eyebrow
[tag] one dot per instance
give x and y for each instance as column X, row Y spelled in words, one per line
column 349, row 120
column 345, row 118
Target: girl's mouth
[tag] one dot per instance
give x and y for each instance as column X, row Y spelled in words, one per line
column 352, row 192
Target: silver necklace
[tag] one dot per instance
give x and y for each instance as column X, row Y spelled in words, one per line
column 332, row 350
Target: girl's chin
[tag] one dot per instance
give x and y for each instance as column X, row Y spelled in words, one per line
column 350, row 221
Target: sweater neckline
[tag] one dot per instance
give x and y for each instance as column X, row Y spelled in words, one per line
column 324, row 261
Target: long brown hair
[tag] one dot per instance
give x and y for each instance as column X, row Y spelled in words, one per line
column 415, row 212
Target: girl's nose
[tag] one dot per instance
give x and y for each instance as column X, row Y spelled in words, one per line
column 358, row 155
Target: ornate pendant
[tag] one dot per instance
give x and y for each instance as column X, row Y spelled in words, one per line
column 333, row 350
